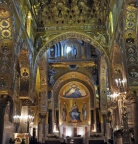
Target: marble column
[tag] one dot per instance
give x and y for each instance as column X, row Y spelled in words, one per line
column 43, row 120
column 118, row 124
column 134, row 105
column 62, row 52
column 108, row 131
column 104, row 124
column 46, row 124
column 95, row 122
column 53, row 111
column 118, row 136
column 120, row 112
column 40, row 131
column 42, row 128
column 23, row 121
column 126, row 136
column 3, row 103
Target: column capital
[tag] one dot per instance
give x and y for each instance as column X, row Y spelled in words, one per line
column 27, row 102
column 132, row 96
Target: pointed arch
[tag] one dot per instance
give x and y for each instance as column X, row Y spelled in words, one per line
column 64, row 36
column 74, row 76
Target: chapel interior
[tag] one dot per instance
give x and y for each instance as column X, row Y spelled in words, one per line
column 68, row 72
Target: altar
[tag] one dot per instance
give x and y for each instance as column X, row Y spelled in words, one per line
column 74, row 131
column 74, row 111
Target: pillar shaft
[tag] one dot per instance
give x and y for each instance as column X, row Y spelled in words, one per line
column 108, row 130
column 3, row 103
column 117, row 120
column 133, row 98
column 2, row 111
column 119, row 140
column 23, row 121
column 104, row 124
column 120, row 112
column 43, row 124
column 118, row 136
column 135, row 118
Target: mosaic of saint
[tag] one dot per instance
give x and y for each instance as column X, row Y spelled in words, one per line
column 74, row 100
column 74, row 91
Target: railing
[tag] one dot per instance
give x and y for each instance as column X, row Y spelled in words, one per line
column 56, row 60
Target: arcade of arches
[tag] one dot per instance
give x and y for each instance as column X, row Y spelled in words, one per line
column 69, row 71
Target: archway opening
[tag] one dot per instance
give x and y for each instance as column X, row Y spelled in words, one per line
column 72, row 60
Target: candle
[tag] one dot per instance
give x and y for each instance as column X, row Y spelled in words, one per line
column 119, row 82
column 116, row 82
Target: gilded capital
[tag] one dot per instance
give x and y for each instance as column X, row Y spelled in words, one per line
column 132, row 96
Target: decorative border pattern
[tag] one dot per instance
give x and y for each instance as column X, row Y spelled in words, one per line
column 68, row 35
